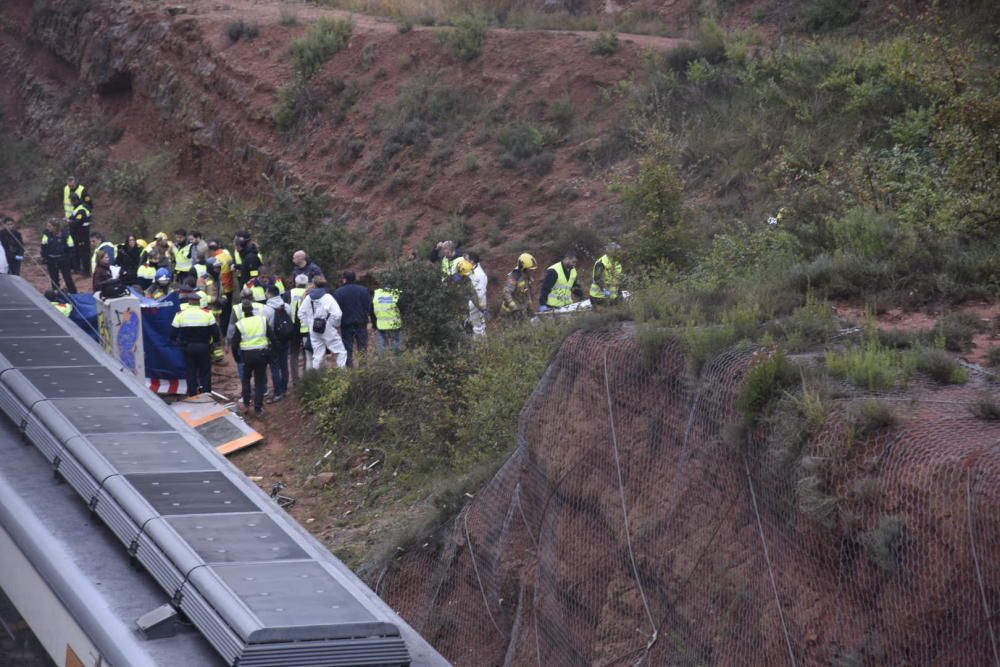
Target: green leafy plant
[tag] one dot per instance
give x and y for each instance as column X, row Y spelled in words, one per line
column 606, row 44
column 870, row 365
column 940, row 366
column 324, row 39
column 466, row 39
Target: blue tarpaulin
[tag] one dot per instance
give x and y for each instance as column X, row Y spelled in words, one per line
column 163, row 360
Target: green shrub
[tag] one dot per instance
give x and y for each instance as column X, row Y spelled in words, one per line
column 870, row 365
column 522, row 141
column 940, row 366
column 871, row 415
column 829, row 14
column 404, row 27
column 764, row 383
column 433, row 310
column 466, row 39
column 426, row 109
column 606, row 44
column 238, row 30
column 324, row 39
column 956, row 330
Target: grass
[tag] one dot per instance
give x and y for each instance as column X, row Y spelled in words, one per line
column 940, row 366
column 325, row 38
column 765, row 383
column 869, row 365
column 869, row 416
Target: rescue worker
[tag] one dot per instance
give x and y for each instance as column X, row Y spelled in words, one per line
column 301, row 265
column 97, row 244
column 297, row 345
column 73, row 188
column 79, row 227
column 145, row 275
column 161, row 284
column 250, row 345
column 321, row 315
column 560, row 286
column 58, row 253
column 102, row 271
column 226, row 278
column 128, row 258
column 195, row 328
column 605, row 287
column 189, row 284
column 477, row 305
column 259, row 284
column 517, row 302
column 59, row 301
column 445, row 251
column 388, row 320
column 217, row 301
column 183, row 263
column 13, row 245
column 247, row 258
column 355, row 303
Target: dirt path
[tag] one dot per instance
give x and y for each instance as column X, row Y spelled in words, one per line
column 270, row 12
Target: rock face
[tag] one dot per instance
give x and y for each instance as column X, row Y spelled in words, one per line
column 635, row 524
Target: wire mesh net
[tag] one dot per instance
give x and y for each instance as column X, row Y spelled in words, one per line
column 636, row 523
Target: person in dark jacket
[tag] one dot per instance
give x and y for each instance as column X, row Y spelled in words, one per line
column 129, row 259
column 560, row 287
column 102, row 271
column 58, row 253
column 355, row 302
column 13, row 245
column 302, row 265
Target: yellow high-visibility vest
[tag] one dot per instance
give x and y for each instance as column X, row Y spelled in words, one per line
column 561, row 294
column 67, row 198
column 612, row 278
column 386, row 306
column 253, row 332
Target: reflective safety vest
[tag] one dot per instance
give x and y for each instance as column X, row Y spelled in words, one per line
column 561, row 294
column 238, row 261
column 63, row 308
column 105, row 246
column 612, row 278
column 260, row 292
column 297, row 295
column 253, row 332
column 182, row 259
column 448, row 266
column 225, row 261
column 81, row 214
column 68, row 198
column 146, row 272
column 192, row 317
column 386, row 305
column 258, row 309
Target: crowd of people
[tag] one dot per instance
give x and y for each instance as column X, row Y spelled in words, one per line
column 233, row 299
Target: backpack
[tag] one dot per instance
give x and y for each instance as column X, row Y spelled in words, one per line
column 283, row 325
column 319, row 323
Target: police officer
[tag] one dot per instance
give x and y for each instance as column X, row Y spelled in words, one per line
column 195, row 328
column 58, row 254
column 79, row 222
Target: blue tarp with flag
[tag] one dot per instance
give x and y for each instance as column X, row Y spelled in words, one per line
column 163, row 360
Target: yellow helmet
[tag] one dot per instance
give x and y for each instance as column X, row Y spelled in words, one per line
column 161, row 236
column 465, row 267
column 141, row 243
column 527, row 261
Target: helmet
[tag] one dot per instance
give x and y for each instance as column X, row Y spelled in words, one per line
column 163, row 276
column 527, row 261
column 141, row 243
column 464, row 267
column 161, row 236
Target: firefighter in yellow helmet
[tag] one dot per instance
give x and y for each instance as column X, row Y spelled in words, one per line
column 517, row 290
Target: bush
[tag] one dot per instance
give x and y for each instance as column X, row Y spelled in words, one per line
column 764, row 383
column 606, row 44
column 325, row 39
column 426, row 109
column 870, row 365
column 522, row 140
column 986, row 408
column 433, row 310
column 404, row 27
column 871, row 415
column 829, row 14
column 884, row 542
column 241, row 29
column 301, row 220
column 466, row 39
column 940, row 366
column 287, row 16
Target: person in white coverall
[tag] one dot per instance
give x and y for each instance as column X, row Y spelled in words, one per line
column 320, row 306
column 477, row 305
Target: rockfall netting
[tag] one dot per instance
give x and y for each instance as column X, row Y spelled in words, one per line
column 639, row 523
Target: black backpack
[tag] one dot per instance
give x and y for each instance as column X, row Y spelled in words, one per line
column 284, row 328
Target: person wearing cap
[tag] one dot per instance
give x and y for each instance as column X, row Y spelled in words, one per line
column 355, row 303
column 59, row 302
column 196, row 330
column 297, row 345
column 605, row 286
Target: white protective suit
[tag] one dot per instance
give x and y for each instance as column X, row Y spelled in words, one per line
column 328, row 341
column 477, row 305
